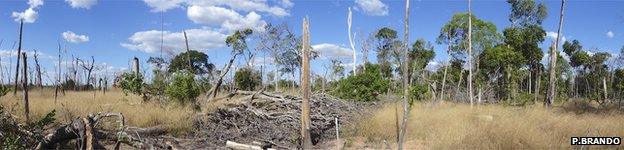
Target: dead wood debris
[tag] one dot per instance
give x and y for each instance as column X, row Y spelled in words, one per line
column 273, row 118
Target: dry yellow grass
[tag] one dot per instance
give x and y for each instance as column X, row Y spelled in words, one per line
column 457, row 126
column 74, row 104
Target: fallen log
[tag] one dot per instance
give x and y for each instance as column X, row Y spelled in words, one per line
column 239, row 146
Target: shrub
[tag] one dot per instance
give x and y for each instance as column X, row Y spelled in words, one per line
column 364, row 86
column 131, row 83
column 247, row 79
column 4, row 90
column 418, row 92
column 283, row 84
column 182, row 88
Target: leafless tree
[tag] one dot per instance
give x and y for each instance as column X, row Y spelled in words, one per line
column 552, row 83
column 89, row 68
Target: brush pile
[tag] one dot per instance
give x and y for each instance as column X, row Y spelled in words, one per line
column 273, row 119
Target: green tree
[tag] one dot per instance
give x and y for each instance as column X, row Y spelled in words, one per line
column 501, row 63
column 247, row 79
column 199, row 62
column 364, row 86
column 385, row 45
column 526, row 12
column 455, row 34
column 182, row 88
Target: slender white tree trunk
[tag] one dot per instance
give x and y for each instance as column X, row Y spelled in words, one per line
column 552, row 83
column 406, row 105
column 470, row 54
column 352, row 43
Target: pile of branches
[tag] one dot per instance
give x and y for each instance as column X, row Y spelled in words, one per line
column 83, row 132
column 273, row 119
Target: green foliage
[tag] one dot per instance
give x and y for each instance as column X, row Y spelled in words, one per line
column 421, row 53
column 130, row 82
column 418, row 92
column 69, row 84
column 286, row 83
column 455, row 34
column 204, row 84
column 247, row 79
column 4, row 90
column 46, row 120
column 618, row 83
column 199, row 62
column 238, row 41
column 526, row 40
column 526, row 12
column 572, row 47
column 579, row 58
column 364, row 86
column 12, row 142
column 182, row 88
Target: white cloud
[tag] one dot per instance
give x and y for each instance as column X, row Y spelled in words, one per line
column 433, row 65
column 610, row 34
column 163, row 5
column 173, row 42
column 327, row 50
column 229, row 15
column 13, row 53
column 372, row 7
column 228, row 19
column 248, row 6
column 553, row 35
column 86, row 4
column 286, row 4
column 29, row 15
column 74, row 38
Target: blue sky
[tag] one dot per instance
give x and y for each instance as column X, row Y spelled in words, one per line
column 116, row 31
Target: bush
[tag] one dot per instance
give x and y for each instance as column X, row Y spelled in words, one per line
column 131, row 83
column 418, row 92
column 247, row 79
column 4, row 90
column 183, row 88
column 364, row 86
column 284, row 84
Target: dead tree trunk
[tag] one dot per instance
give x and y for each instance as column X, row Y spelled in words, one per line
column 58, row 78
column 306, row 140
column 406, row 105
column 226, row 69
column 537, row 84
column 89, row 68
column 188, row 53
column 136, row 65
column 25, row 88
column 38, row 70
column 19, row 51
column 352, row 43
column 470, row 94
column 553, row 62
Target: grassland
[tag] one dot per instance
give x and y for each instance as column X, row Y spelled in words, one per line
column 431, row 126
column 175, row 117
column 458, row 126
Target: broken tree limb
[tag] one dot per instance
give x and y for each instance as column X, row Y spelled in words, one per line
column 226, row 69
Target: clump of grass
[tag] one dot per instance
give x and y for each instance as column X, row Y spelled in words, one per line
column 175, row 117
column 458, row 126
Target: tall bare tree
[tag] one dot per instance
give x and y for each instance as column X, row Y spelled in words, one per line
column 406, row 105
column 25, row 88
column 89, row 68
column 19, row 51
column 470, row 94
column 351, row 42
column 38, row 70
column 305, row 88
column 552, row 81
